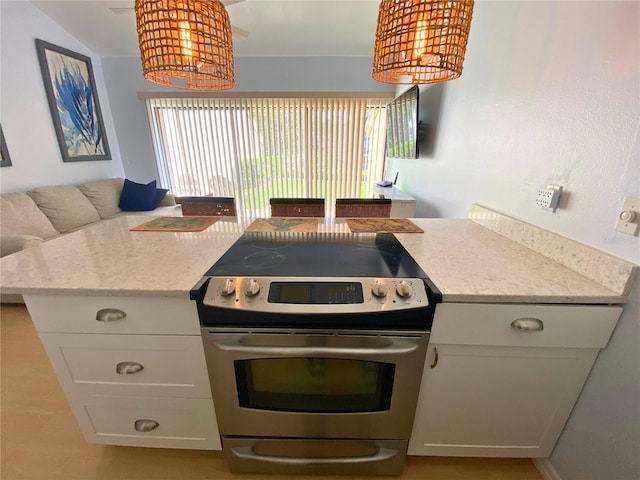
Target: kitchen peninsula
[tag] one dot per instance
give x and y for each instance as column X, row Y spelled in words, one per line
column 106, row 294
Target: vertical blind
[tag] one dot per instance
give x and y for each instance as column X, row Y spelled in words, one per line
column 254, row 149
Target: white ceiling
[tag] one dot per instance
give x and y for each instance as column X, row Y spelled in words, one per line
column 277, row 27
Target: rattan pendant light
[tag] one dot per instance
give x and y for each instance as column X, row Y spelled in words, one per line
column 421, row 41
column 185, row 43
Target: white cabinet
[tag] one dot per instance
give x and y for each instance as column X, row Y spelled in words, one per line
column 147, row 421
column 402, row 205
column 132, row 368
column 153, row 365
column 118, row 315
column 491, row 389
column 403, row 208
column 497, row 402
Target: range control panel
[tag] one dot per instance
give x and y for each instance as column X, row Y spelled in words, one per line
column 316, row 295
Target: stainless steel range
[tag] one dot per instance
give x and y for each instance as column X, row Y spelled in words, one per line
column 315, row 345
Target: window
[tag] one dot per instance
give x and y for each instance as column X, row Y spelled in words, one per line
column 257, row 148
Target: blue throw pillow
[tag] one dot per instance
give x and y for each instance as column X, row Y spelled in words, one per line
column 137, row 197
column 160, row 194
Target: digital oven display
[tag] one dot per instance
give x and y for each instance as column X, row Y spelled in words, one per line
column 315, row 292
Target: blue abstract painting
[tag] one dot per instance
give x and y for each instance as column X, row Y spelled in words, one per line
column 5, row 159
column 73, row 101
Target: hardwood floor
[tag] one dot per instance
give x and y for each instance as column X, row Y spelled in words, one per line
column 40, row 439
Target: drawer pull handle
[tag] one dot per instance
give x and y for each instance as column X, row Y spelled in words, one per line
column 110, row 314
column 127, row 368
column 145, row 425
column 435, row 357
column 530, row 324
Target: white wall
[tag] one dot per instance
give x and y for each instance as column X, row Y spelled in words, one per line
column 26, row 120
column 124, row 79
column 550, row 93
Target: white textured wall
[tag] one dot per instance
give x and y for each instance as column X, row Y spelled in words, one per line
column 26, row 120
column 550, row 93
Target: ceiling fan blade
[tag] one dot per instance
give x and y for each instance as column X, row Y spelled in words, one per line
column 226, row 3
column 121, row 11
column 239, row 33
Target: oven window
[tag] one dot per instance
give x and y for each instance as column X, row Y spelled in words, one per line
column 319, row 385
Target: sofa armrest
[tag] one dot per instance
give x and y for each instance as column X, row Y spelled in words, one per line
column 168, row 201
column 14, row 243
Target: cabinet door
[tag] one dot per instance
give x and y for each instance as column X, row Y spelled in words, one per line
column 496, row 401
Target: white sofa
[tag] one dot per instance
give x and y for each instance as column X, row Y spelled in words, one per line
column 44, row 213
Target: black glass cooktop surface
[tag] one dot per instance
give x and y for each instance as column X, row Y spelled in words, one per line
column 266, row 254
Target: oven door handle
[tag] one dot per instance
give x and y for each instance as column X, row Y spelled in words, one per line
column 247, row 453
column 394, row 347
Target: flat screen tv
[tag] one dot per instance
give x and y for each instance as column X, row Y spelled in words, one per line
column 402, row 125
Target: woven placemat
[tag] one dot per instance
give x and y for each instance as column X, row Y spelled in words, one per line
column 277, row 224
column 383, row 225
column 176, row 224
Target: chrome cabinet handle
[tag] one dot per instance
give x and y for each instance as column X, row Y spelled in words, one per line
column 248, row 453
column 127, row 368
column 530, row 324
column 145, row 425
column 435, row 357
column 110, row 314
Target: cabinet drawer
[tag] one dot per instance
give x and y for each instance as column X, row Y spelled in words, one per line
column 148, row 421
column 490, row 324
column 138, row 315
column 152, row 365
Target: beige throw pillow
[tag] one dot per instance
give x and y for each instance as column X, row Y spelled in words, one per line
column 19, row 215
column 104, row 195
column 65, row 206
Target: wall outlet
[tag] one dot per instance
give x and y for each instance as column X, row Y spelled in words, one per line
column 549, row 197
column 629, row 217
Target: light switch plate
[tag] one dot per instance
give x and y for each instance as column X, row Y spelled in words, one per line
column 629, row 217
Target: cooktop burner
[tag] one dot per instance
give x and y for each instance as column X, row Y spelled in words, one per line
column 317, row 255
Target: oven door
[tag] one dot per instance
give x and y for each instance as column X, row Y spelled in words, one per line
column 313, row 384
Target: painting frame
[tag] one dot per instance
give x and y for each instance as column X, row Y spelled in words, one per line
column 5, row 159
column 73, row 102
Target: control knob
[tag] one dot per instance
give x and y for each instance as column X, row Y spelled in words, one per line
column 404, row 290
column 252, row 288
column 379, row 289
column 228, row 288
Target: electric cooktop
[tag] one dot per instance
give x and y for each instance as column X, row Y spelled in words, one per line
column 316, row 280
column 271, row 254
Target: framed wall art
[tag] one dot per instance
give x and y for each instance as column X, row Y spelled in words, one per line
column 5, row 159
column 73, row 102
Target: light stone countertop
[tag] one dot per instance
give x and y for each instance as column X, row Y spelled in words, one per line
column 465, row 260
